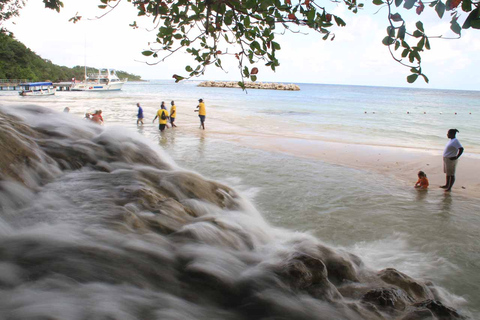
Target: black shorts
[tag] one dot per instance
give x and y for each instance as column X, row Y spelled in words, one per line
column 162, row 127
column 172, row 120
column 202, row 118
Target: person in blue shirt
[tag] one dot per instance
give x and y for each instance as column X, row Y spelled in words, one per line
column 139, row 115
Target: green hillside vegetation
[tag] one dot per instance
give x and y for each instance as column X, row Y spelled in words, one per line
column 19, row 62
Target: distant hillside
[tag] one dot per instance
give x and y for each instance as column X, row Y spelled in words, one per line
column 19, row 62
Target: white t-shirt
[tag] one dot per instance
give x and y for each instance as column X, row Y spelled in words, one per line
column 451, row 149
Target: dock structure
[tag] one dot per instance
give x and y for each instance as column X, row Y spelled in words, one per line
column 63, row 86
column 19, row 85
column 12, row 84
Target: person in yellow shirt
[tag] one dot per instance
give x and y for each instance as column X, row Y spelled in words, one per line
column 202, row 113
column 162, row 115
column 173, row 113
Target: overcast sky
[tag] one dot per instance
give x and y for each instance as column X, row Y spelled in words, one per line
column 356, row 56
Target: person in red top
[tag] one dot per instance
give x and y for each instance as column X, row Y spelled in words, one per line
column 422, row 182
column 97, row 117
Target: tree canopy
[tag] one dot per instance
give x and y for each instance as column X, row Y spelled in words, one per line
column 246, row 30
column 19, row 62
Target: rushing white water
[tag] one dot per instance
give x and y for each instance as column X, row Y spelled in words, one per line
column 78, row 240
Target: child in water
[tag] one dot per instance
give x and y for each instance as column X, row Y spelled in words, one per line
column 422, row 182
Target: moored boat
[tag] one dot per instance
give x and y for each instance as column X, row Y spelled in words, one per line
column 37, row 89
column 104, row 80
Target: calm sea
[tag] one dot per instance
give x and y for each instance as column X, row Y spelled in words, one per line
column 428, row 236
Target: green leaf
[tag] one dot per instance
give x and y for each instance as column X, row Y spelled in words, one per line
column 427, row 44
column 471, row 17
column 397, row 45
column 417, row 34
column 409, row 4
column 475, row 24
column 391, row 31
column 378, row 2
column 275, row 45
column 339, row 21
column 388, row 40
column 411, row 56
column 398, row 2
column 247, row 22
column 455, row 27
column 401, row 32
column 253, row 78
column 467, row 5
column 102, row 6
column 147, row 53
column 421, row 44
column 405, row 53
column 419, row 26
column 440, row 9
column 424, row 77
column 246, row 72
column 396, row 17
column 228, row 17
column 412, row 78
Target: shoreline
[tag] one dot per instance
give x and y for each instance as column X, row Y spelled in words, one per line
column 399, row 163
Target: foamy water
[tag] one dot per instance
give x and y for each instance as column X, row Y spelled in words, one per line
column 429, row 236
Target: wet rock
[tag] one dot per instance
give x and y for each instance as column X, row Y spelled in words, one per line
column 303, row 272
column 412, row 287
column 250, row 85
column 420, row 314
column 19, row 152
column 441, row 311
column 340, row 268
column 387, row 298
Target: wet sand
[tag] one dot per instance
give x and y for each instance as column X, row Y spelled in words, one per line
column 399, row 163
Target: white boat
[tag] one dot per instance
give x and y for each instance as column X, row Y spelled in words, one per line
column 37, row 89
column 104, row 80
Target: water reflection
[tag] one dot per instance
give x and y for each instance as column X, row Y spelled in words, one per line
column 201, row 144
column 446, row 204
column 140, row 129
column 421, row 194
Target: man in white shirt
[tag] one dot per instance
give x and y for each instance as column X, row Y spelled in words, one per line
column 453, row 151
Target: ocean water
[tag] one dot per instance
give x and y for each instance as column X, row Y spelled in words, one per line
column 428, row 236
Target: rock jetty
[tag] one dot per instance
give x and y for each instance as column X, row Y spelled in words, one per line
column 251, row 85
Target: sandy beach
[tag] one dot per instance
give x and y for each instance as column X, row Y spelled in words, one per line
column 399, row 163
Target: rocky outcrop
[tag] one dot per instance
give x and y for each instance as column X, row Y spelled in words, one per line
column 250, row 85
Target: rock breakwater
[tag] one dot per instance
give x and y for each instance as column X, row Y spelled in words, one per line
column 251, row 85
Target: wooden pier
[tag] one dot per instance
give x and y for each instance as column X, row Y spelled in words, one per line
column 63, row 86
column 12, row 84
column 19, row 85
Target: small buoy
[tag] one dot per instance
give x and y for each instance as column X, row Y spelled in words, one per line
column 365, row 112
column 469, row 113
column 424, row 112
column 373, row 112
column 455, row 113
column 408, row 112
